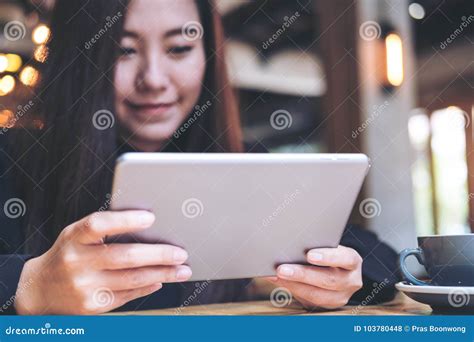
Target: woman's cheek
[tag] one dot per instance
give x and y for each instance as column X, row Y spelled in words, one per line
column 123, row 82
column 191, row 79
column 124, row 87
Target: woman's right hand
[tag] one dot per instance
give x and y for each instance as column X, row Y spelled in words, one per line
column 82, row 275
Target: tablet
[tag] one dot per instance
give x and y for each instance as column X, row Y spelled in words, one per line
column 239, row 215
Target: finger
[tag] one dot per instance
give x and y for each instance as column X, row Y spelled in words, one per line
column 125, row 296
column 341, row 256
column 270, row 279
column 103, row 299
column 131, row 255
column 94, row 228
column 144, row 276
column 327, row 278
column 314, row 296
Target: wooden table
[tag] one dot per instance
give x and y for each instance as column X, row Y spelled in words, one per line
column 401, row 305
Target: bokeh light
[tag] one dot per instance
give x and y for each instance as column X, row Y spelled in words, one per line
column 41, row 34
column 14, row 62
column 7, row 84
column 41, row 53
column 3, row 63
column 416, row 11
column 29, row 76
column 5, row 117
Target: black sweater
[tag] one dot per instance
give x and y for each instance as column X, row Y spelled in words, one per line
column 379, row 265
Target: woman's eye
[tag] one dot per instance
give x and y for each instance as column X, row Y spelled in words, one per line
column 124, row 51
column 177, row 50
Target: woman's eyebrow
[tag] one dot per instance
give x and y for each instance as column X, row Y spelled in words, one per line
column 170, row 33
column 130, row 34
column 173, row 32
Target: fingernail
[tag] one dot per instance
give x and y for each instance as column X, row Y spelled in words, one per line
column 183, row 273
column 145, row 219
column 286, row 271
column 315, row 256
column 180, row 255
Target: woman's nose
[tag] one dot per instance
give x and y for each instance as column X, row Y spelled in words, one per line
column 153, row 75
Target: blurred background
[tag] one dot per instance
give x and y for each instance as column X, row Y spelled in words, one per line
column 390, row 78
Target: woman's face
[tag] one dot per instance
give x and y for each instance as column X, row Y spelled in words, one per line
column 159, row 75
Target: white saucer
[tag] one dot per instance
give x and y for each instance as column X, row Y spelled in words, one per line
column 441, row 298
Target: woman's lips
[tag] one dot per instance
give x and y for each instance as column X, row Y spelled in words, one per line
column 148, row 110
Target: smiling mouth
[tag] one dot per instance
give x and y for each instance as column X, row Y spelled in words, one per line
column 147, row 110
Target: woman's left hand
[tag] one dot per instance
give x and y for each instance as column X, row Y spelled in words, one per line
column 325, row 287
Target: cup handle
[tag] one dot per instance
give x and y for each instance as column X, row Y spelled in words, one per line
column 418, row 253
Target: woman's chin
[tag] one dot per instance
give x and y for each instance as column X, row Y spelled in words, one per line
column 147, row 137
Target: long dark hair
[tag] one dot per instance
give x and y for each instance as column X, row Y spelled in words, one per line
column 73, row 168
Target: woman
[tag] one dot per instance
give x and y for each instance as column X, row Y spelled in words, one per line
column 140, row 61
